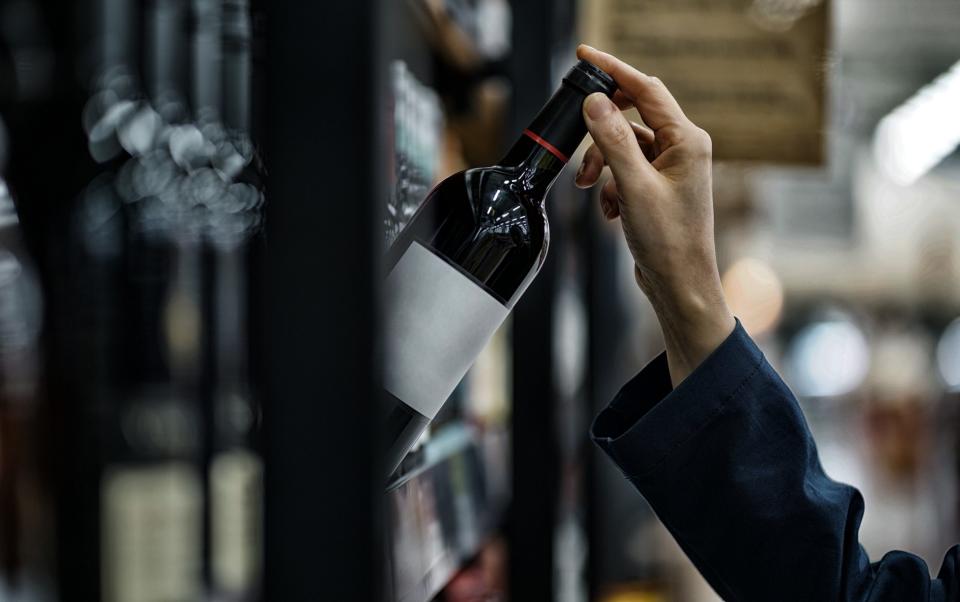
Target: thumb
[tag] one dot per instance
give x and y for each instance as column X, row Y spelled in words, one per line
column 614, row 136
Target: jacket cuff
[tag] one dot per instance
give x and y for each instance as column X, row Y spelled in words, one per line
column 648, row 419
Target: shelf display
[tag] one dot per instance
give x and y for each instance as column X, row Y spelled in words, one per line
column 417, row 138
column 441, row 515
column 142, row 237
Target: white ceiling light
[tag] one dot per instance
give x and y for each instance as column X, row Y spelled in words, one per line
column 921, row 132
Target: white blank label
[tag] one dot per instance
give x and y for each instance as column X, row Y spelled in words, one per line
column 437, row 322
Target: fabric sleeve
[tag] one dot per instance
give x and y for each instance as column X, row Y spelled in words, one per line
column 729, row 466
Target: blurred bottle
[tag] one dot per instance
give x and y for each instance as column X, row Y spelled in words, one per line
column 44, row 466
column 26, row 565
column 235, row 466
column 191, row 192
column 132, row 157
column 417, row 135
column 151, row 485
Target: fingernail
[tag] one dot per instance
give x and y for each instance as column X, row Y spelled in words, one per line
column 597, row 105
column 583, row 166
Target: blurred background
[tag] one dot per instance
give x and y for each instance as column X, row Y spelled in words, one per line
column 194, row 200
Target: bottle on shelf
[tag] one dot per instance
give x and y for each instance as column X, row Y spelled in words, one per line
column 179, row 478
column 466, row 257
column 136, row 201
column 151, row 496
column 235, row 466
column 60, row 162
column 416, row 132
column 26, row 564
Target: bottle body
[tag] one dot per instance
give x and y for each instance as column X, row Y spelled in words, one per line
column 454, row 274
column 465, row 259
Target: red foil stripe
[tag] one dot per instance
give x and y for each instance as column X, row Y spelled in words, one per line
column 553, row 150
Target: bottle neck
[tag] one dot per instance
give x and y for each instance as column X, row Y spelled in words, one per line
column 547, row 143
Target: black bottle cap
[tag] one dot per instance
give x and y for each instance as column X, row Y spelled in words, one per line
column 589, row 78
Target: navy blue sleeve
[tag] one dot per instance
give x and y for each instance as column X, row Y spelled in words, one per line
column 729, row 466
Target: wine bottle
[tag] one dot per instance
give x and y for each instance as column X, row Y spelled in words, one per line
column 466, row 257
column 235, row 469
column 25, row 532
column 151, row 493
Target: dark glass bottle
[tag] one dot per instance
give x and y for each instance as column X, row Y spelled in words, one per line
column 467, row 256
column 151, row 487
column 50, row 163
column 235, row 466
column 25, row 533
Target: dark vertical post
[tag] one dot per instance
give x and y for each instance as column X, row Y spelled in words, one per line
column 535, row 447
column 319, row 285
column 605, row 486
column 596, row 355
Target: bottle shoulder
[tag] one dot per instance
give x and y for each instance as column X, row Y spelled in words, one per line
column 498, row 190
column 480, row 221
column 497, row 203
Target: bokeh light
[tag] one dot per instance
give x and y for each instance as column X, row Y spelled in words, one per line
column 755, row 294
column 948, row 356
column 828, row 358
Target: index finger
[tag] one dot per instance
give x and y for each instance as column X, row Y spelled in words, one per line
column 656, row 105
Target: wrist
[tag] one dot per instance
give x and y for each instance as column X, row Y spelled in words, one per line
column 695, row 320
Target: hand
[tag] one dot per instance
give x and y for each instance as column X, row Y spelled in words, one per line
column 661, row 191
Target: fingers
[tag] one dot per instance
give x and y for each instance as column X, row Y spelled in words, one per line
column 591, row 167
column 615, row 138
column 610, row 200
column 621, row 100
column 646, row 139
column 656, row 105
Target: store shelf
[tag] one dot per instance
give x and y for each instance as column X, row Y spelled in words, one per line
column 450, row 27
column 444, row 510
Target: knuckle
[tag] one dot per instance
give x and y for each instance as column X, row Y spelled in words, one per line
column 670, row 135
column 705, row 138
column 702, row 142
